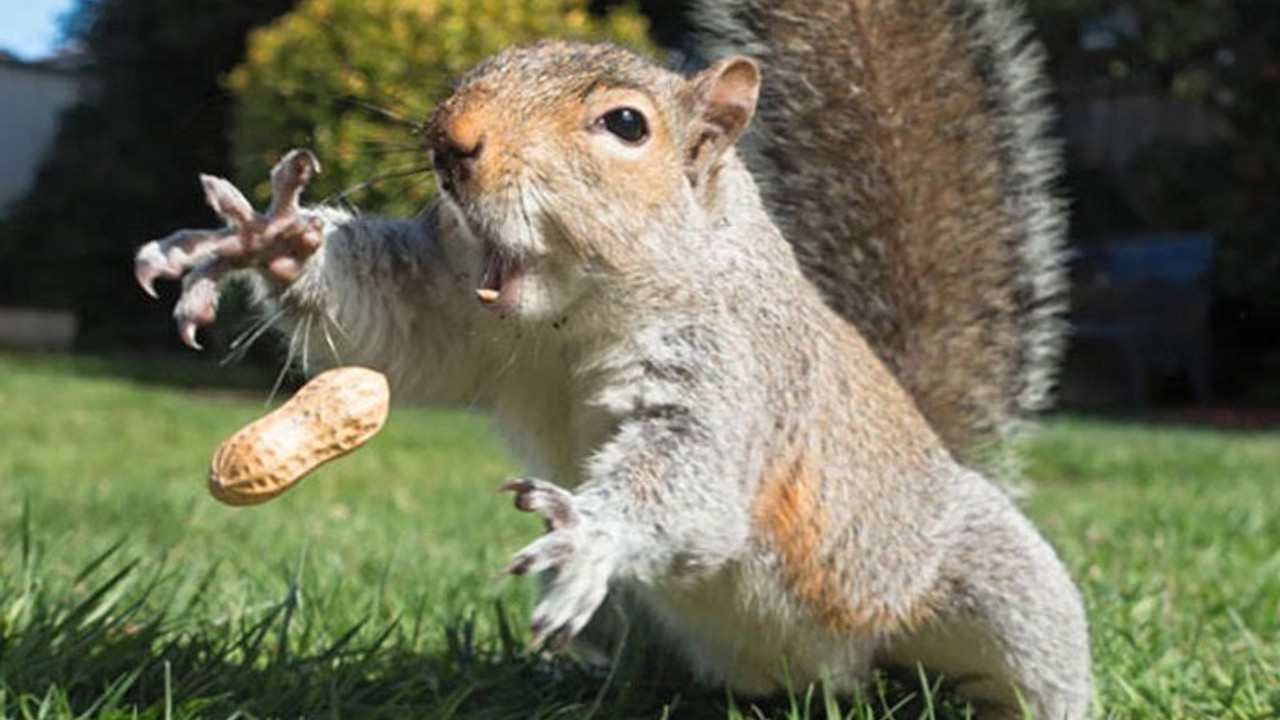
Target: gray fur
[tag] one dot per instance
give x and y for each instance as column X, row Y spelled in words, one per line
column 717, row 441
column 1018, row 83
column 849, row 260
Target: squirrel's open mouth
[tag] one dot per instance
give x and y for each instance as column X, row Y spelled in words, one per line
column 499, row 281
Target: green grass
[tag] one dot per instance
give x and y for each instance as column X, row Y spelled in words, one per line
column 126, row 591
column 1174, row 536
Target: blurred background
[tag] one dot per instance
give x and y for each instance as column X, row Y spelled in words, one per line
column 1168, row 110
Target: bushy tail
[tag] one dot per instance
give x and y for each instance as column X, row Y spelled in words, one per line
column 901, row 146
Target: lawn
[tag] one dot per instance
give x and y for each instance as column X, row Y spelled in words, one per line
column 370, row 591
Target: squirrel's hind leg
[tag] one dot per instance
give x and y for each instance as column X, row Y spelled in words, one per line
column 1012, row 633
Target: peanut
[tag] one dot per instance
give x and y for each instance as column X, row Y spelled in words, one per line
column 336, row 412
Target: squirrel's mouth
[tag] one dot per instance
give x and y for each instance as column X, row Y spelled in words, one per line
column 499, row 281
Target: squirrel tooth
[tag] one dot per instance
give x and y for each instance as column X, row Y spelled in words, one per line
column 487, row 295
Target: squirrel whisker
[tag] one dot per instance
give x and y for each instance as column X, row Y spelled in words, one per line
column 385, row 113
column 392, row 175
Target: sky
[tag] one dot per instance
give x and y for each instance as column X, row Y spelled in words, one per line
column 29, row 28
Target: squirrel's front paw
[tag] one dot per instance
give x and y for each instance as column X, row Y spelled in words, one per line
column 279, row 240
column 577, row 555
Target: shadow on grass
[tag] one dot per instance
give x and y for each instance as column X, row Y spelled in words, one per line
column 175, row 370
column 1242, row 421
column 105, row 651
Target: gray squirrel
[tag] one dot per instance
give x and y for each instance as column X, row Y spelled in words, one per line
column 755, row 432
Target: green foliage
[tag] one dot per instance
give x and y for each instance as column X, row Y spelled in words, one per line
column 1172, row 33
column 351, row 79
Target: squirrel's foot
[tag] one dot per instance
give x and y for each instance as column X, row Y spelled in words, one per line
column 279, row 241
column 576, row 554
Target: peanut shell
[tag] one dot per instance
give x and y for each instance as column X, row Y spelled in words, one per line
column 336, row 412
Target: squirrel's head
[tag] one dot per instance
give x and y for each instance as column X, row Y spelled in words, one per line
column 571, row 163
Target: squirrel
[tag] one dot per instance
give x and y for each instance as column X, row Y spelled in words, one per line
column 755, row 393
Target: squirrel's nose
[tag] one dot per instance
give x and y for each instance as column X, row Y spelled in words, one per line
column 456, row 147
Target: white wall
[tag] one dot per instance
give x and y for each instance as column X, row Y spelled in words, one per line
column 31, row 99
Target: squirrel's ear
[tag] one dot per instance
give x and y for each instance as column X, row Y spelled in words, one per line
column 723, row 99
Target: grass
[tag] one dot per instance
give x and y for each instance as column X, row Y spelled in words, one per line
column 126, row 592
column 1174, row 536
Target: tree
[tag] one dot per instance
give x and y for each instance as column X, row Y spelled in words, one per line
column 352, row 79
column 124, row 163
column 1223, row 57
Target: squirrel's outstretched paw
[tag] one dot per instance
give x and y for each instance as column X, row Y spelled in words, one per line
column 576, row 553
column 279, row 242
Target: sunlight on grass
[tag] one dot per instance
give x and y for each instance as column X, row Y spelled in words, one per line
column 369, row 591
column 1174, row 536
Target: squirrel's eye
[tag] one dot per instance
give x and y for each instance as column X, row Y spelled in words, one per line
column 626, row 123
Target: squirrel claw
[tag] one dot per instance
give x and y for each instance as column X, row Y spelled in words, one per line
column 149, row 264
column 288, row 178
column 553, row 503
column 146, row 273
column 187, row 331
column 171, row 256
column 227, row 200
column 518, row 566
column 198, row 304
column 549, row 639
